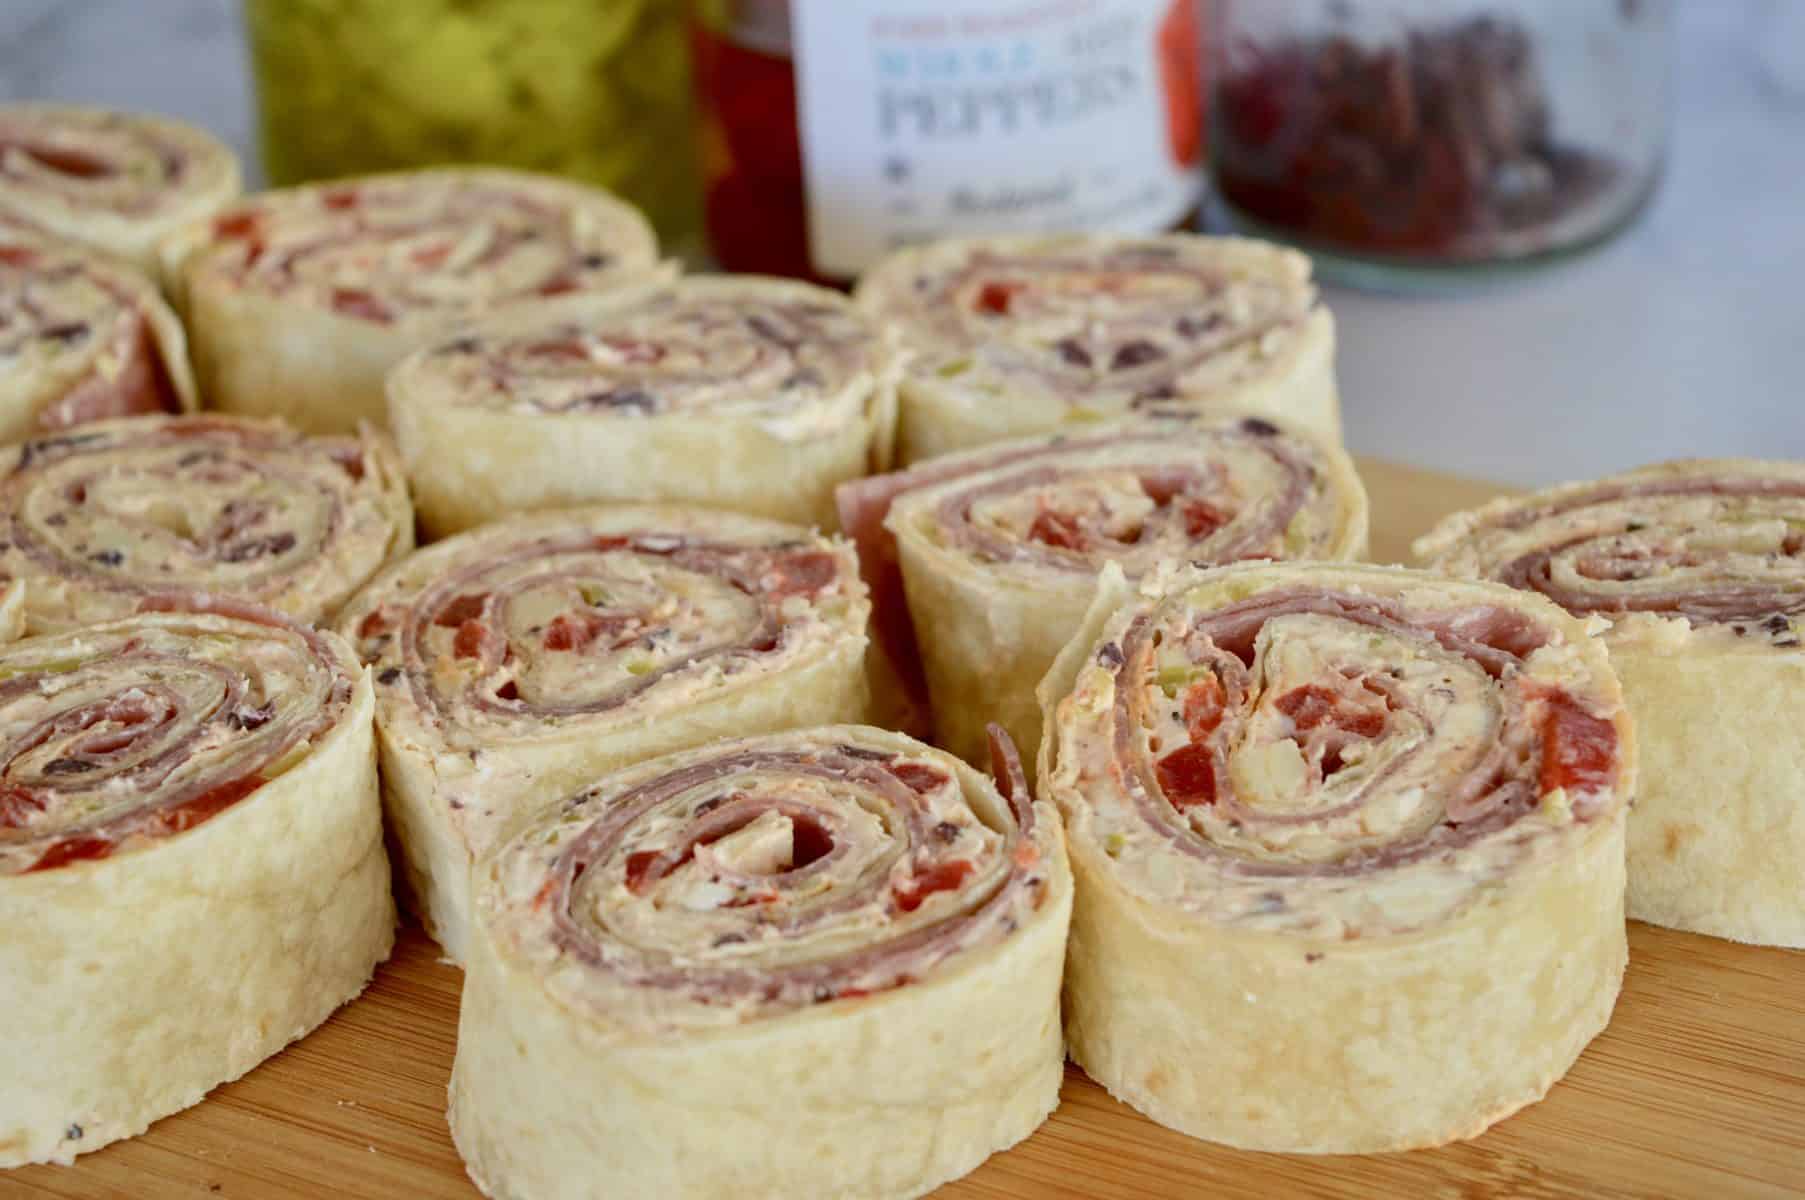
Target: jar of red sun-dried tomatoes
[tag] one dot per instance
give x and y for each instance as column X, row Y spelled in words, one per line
column 1420, row 142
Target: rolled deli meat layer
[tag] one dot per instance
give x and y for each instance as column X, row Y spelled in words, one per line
column 757, row 395
column 191, row 862
column 82, row 338
column 1699, row 568
column 101, row 516
column 1348, row 844
column 821, row 963
column 997, row 549
column 118, row 182
column 521, row 660
column 299, row 301
column 1020, row 335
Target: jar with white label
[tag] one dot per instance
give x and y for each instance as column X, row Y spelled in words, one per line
column 834, row 132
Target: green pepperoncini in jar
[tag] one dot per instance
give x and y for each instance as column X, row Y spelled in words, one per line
column 597, row 90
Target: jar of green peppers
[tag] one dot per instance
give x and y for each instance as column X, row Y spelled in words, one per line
column 597, row 90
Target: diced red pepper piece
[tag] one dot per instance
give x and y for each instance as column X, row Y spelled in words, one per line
column 235, row 225
column 1203, row 707
column 1579, row 750
column 1201, row 517
column 1311, row 706
column 944, row 877
column 470, row 639
column 579, row 630
column 71, row 850
column 461, row 609
column 1188, row 776
column 639, row 866
column 919, row 777
column 1054, row 528
column 994, row 299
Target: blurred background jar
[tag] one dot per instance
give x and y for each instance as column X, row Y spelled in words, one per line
column 597, row 90
column 1434, row 143
column 834, row 131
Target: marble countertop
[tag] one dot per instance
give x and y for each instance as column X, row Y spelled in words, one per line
column 1684, row 336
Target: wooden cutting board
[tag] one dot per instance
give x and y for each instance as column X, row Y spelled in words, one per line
column 1697, row 1088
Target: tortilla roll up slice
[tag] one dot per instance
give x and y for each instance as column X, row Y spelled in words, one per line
column 100, row 516
column 1348, row 844
column 299, row 301
column 82, row 338
column 1012, row 336
column 816, row 963
column 518, row 661
column 114, row 181
column 1699, row 568
column 757, row 395
column 191, row 862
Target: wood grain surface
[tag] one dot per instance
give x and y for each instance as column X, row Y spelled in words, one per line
column 1697, row 1088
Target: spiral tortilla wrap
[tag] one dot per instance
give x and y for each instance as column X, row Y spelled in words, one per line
column 299, row 301
column 522, row 659
column 815, row 963
column 1348, row 844
column 757, row 395
column 1021, row 335
column 82, row 338
column 1700, row 569
column 118, row 182
column 99, row 517
column 191, row 864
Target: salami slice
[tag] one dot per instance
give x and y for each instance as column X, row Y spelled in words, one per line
column 823, row 962
column 1013, row 336
column 300, row 300
column 97, row 518
column 1699, row 570
column 752, row 394
column 1349, row 851
column 191, row 863
column 998, row 548
column 519, row 660
column 82, row 338
column 117, row 182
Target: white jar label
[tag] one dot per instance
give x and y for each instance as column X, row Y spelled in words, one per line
column 943, row 118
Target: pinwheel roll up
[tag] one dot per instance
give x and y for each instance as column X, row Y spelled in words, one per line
column 1700, row 569
column 99, row 517
column 998, row 548
column 119, row 182
column 518, row 661
column 1012, row 336
column 191, row 864
column 82, row 338
column 299, row 301
column 753, row 394
column 816, row 963
column 1349, row 851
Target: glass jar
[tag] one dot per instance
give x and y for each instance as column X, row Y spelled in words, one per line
column 598, row 90
column 834, row 132
column 1422, row 143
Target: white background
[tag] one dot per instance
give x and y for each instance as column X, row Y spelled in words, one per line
column 1687, row 336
